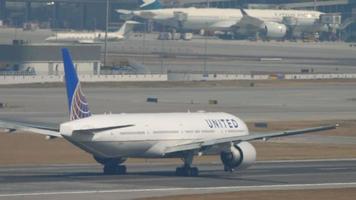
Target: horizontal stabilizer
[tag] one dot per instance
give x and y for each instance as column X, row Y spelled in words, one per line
column 124, row 12
column 46, row 130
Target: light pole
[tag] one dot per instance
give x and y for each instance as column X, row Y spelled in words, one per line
column 106, row 31
column 162, row 54
column 205, row 51
column 315, row 4
column 144, row 42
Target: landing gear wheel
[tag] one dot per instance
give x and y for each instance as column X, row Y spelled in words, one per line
column 108, row 169
column 187, row 171
column 121, row 169
column 114, row 169
column 179, row 171
column 228, row 169
column 194, row 171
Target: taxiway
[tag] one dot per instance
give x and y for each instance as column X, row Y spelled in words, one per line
column 317, row 101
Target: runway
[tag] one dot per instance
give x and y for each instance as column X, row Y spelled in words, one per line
column 149, row 180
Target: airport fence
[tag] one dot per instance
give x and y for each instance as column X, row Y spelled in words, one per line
column 279, row 76
column 318, row 76
column 214, row 77
column 10, row 80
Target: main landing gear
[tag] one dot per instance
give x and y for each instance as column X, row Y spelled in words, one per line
column 186, row 169
column 114, row 169
column 112, row 165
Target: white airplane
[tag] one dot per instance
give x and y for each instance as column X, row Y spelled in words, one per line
column 92, row 37
column 112, row 138
column 271, row 23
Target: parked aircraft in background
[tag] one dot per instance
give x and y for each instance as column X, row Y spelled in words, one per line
column 150, row 4
column 112, row 138
column 93, row 37
column 269, row 23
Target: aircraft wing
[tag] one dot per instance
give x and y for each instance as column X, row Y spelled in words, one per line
column 86, row 41
column 223, row 25
column 249, row 21
column 147, row 14
column 140, row 13
column 201, row 145
column 40, row 128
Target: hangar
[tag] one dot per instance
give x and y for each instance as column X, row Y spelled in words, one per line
column 45, row 59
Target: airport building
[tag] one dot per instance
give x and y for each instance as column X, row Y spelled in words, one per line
column 75, row 14
column 90, row 14
column 44, row 59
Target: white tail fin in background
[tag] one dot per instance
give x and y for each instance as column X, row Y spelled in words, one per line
column 127, row 28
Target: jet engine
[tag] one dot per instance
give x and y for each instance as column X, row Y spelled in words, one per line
column 274, row 30
column 238, row 156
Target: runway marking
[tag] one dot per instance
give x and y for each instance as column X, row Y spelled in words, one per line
column 334, row 168
column 285, row 175
column 227, row 188
column 308, row 160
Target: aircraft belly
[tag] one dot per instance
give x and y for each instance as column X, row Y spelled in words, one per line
column 215, row 150
column 118, row 148
column 113, row 148
column 196, row 25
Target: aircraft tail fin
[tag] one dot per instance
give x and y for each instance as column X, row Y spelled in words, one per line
column 150, row 5
column 77, row 103
column 126, row 28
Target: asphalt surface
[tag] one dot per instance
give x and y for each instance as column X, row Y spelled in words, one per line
column 316, row 102
column 222, row 56
column 144, row 180
column 237, row 56
column 259, row 103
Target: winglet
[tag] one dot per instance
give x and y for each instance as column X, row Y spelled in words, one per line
column 77, row 103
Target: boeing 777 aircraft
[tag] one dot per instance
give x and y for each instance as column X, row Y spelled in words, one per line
column 112, row 138
column 92, row 37
column 270, row 23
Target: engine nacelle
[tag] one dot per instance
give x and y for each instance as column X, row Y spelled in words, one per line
column 240, row 156
column 274, row 30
